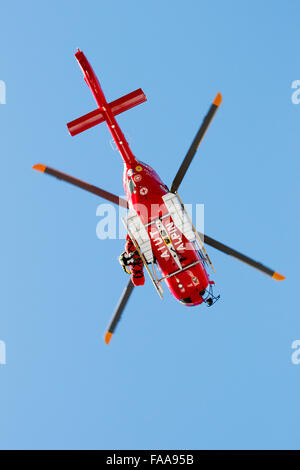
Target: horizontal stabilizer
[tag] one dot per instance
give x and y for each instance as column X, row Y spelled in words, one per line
column 96, row 117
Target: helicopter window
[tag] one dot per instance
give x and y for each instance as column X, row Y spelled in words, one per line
column 188, row 300
column 131, row 185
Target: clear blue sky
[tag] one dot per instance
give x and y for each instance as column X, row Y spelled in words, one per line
column 172, row 377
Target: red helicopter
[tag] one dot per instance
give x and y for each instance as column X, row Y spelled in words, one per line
column 161, row 236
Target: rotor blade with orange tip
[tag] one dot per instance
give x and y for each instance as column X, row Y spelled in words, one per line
column 81, row 184
column 236, row 254
column 118, row 312
column 196, row 142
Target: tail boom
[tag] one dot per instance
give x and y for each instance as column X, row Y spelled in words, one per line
column 106, row 111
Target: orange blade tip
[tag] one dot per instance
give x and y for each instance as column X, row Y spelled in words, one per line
column 108, row 336
column 218, row 99
column 39, row 167
column 278, row 277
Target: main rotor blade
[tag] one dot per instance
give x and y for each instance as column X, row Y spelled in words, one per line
column 236, row 254
column 118, row 312
column 195, row 144
column 81, row 184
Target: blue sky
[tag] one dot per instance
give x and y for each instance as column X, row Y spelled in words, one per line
column 172, row 377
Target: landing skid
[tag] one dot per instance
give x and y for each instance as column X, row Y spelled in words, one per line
column 156, row 284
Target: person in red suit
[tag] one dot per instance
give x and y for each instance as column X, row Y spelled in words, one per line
column 132, row 263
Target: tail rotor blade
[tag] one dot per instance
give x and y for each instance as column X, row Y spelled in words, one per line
column 118, row 312
column 236, row 254
column 196, row 142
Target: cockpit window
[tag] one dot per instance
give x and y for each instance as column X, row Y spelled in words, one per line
column 188, row 300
